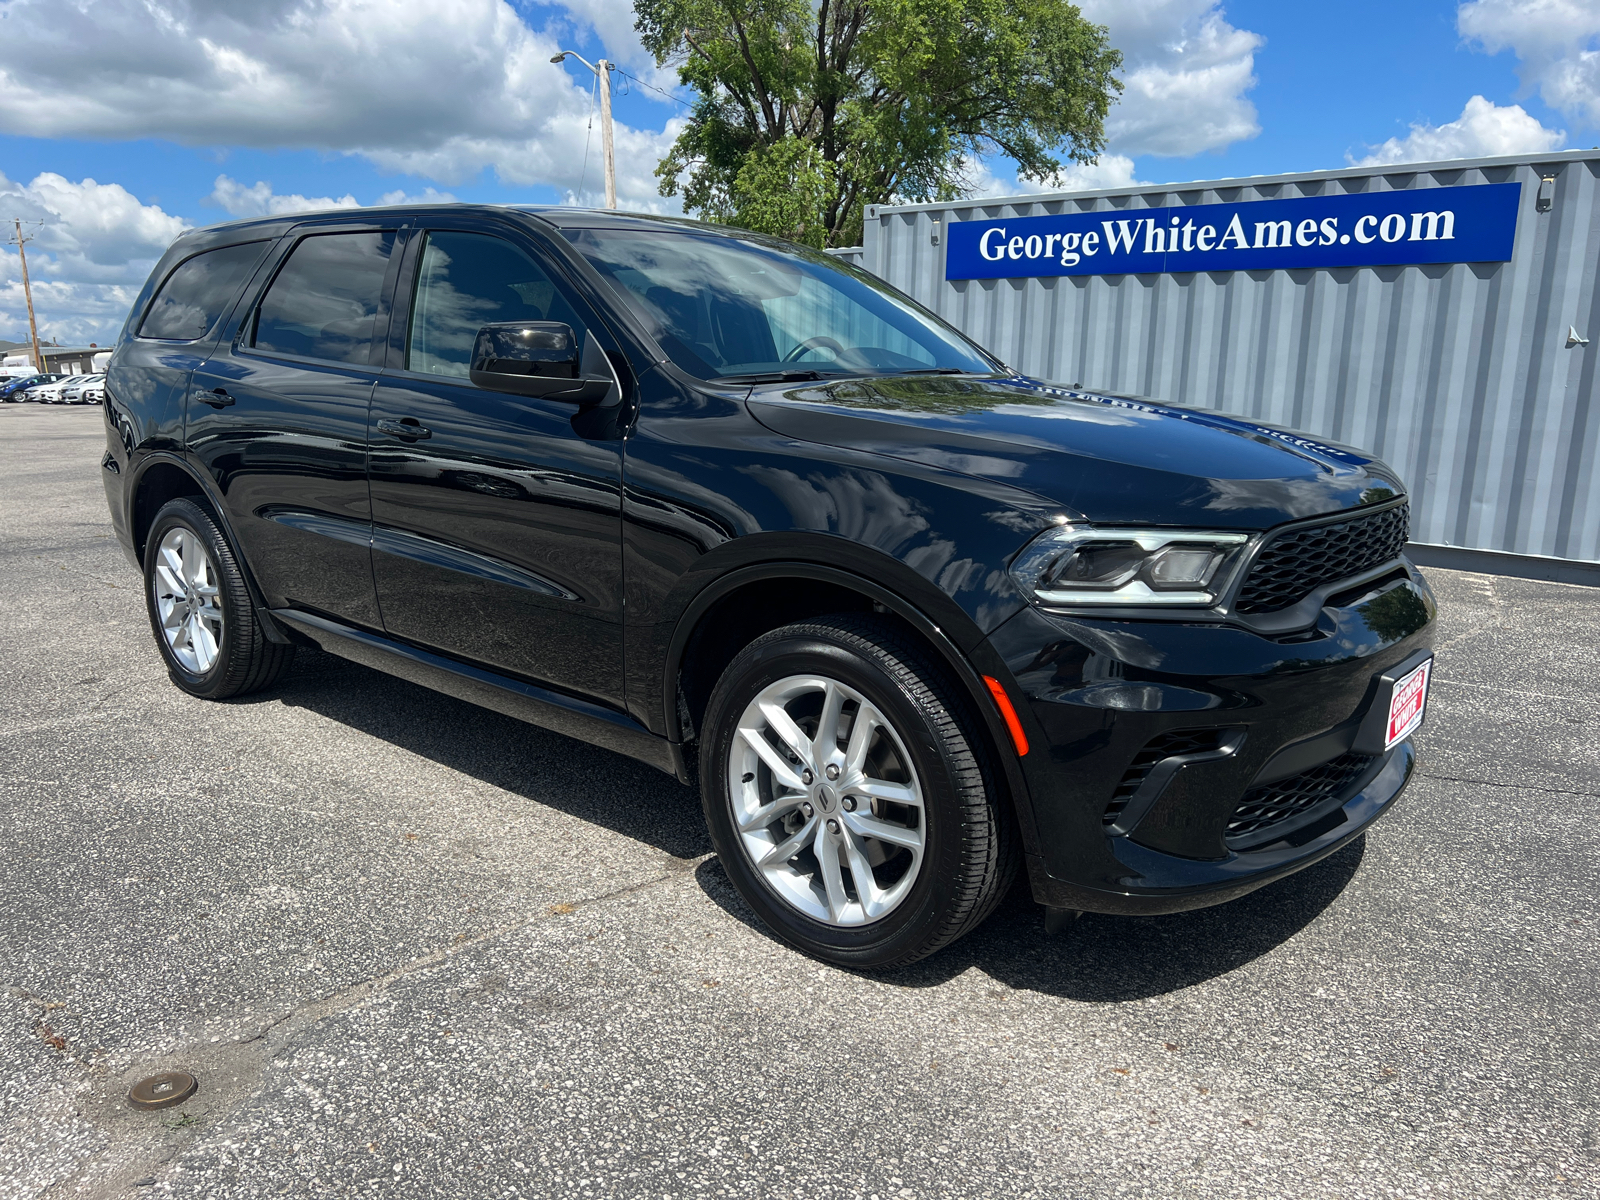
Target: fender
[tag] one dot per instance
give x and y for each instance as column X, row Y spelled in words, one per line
column 207, row 486
column 969, row 674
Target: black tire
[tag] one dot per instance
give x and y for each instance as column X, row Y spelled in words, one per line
column 245, row 661
column 970, row 844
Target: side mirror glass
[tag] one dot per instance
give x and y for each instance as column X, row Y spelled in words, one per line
column 541, row 358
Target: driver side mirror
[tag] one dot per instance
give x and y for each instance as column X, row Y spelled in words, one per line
column 542, row 358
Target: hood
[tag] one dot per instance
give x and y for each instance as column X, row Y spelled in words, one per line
column 1105, row 458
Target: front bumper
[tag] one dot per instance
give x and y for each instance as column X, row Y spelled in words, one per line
column 1104, row 696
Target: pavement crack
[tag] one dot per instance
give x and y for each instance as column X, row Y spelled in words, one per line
column 1518, row 787
column 314, row 1011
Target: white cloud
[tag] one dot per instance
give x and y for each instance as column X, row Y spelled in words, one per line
column 1109, row 171
column 89, row 252
column 425, row 196
column 259, row 200
column 1555, row 42
column 444, row 88
column 1483, row 129
column 1186, row 72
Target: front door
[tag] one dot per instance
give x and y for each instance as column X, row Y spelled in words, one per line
column 496, row 518
column 278, row 417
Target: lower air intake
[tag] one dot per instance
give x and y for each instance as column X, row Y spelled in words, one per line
column 1274, row 803
column 1166, row 745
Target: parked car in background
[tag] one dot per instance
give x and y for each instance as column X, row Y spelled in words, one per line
column 50, row 393
column 74, row 387
column 94, row 391
column 13, row 390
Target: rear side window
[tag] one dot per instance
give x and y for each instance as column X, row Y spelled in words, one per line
column 323, row 302
column 195, row 296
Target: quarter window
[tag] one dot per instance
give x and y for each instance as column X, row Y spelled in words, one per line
column 466, row 281
column 323, row 302
column 195, row 296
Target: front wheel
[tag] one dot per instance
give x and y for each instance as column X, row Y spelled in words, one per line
column 850, row 794
column 200, row 609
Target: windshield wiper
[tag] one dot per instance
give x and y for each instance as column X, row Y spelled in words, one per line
column 771, row 377
column 936, row 371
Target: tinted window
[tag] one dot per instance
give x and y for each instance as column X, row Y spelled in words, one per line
column 324, row 299
column 196, row 295
column 721, row 305
column 466, row 281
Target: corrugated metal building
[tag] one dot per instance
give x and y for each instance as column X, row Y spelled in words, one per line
column 1461, row 375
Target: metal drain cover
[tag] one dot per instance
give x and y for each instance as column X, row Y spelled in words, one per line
column 163, row 1090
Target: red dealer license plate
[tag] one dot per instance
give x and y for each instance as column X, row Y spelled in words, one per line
column 1407, row 703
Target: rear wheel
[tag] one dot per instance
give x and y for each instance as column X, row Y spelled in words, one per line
column 200, row 609
column 850, row 795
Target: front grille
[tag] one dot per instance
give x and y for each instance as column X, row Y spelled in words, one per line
column 1166, row 745
column 1274, row 803
column 1297, row 562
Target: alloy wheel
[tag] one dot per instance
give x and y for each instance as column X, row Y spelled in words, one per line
column 825, row 800
column 184, row 584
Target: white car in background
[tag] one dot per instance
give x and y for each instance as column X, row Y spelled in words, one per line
column 50, row 393
column 75, row 389
column 94, row 391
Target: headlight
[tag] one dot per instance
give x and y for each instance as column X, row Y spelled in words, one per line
column 1078, row 564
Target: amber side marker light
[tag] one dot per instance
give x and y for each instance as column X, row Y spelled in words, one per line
column 1003, row 703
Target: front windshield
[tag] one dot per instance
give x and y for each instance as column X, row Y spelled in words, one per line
column 722, row 306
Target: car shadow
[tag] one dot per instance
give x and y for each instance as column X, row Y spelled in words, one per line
column 1096, row 958
column 593, row 784
column 1106, row 959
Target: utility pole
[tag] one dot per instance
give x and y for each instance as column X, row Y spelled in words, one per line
column 27, row 292
column 602, row 72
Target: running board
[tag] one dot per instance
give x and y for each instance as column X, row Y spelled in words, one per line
column 581, row 719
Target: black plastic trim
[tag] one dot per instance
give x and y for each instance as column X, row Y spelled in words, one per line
column 1162, row 774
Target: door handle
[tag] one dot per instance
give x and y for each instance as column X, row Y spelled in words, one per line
column 406, row 428
column 216, row 397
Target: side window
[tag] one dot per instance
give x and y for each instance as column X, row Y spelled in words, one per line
column 195, row 296
column 324, row 299
column 466, row 281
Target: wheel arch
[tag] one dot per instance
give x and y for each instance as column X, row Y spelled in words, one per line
column 825, row 588
column 163, row 477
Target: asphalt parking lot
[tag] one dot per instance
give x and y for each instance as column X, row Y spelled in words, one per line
column 413, row 948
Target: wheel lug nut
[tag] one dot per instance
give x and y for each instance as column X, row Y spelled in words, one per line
column 833, row 826
column 832, row 771
column 849, row 804
column 807, row 777
column 808, row 810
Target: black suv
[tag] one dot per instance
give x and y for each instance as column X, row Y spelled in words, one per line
column 742, row 511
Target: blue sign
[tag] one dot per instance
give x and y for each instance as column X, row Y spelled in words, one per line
column 1428, row 225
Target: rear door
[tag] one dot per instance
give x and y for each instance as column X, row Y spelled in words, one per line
column 150, row 378
column 278, row 417
column 496, row 518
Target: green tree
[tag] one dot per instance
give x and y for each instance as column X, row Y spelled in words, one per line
column 809, row 110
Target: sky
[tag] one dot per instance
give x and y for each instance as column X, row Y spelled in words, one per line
column 125, row 122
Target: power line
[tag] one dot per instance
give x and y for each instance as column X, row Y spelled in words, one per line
column 653, row 88
column 588, row 133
